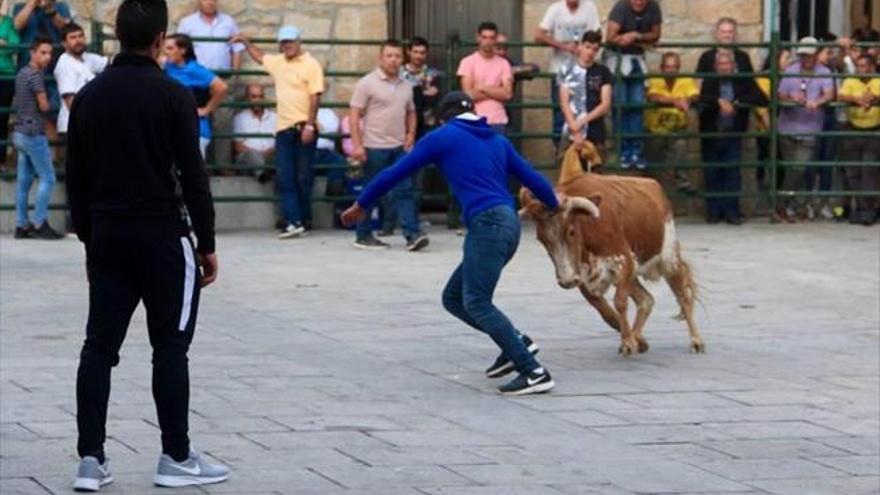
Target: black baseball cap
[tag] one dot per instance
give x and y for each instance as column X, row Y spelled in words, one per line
column 455, row 103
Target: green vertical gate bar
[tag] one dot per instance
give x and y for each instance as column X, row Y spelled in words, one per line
column 452, row 43
column 97, row 43
column 774, row 108
column 617, row 116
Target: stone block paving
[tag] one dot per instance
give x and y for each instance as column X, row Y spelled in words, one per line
column 321, row 369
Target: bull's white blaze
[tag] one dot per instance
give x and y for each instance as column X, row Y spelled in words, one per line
column 559, row 253
column 666, row 260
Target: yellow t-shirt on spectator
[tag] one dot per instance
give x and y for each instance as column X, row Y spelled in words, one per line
column 669, row 119
column 762, row 112
column 295, row 80
column 858, row 116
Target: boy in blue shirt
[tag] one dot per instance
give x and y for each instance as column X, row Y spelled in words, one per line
column 476, row 161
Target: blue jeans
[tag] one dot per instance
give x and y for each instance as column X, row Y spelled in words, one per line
column 826, row 151
column 629, row 120
column 293, row 161
column 492, row 239
column 34, row 158
column 725, row 179
column 403, row 194
column 558, row 117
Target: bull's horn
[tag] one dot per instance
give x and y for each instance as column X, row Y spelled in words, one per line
column 524, row 214
column 576, row 203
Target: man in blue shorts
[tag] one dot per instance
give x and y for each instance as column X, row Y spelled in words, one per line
column 476, row 162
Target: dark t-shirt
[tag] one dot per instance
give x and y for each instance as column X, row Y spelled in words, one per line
column 28, row 118
column 629, row 21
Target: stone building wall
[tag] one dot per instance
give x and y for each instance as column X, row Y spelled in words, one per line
column 684, row 20
column 331, row 19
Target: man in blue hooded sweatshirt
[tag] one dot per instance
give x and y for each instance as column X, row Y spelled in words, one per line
column 476, row 162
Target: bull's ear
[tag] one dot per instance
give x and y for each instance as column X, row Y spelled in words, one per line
column 596, row 198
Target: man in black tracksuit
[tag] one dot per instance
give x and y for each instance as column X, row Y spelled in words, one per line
column 134, row 171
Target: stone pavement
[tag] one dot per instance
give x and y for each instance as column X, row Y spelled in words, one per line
column 320, row 369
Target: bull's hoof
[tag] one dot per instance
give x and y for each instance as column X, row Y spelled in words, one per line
column 679, row 317
column 628, row 348
column 698, row 347
column 643, row 345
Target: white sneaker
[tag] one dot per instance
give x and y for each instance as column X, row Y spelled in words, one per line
column 91, row 475
column 193, row 471
column 811, row 212
column 291, row 231
column 826, row 212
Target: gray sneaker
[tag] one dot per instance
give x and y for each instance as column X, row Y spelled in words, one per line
column 91, row 475
column 193, row 471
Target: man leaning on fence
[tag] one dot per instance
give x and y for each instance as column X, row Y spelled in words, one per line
column 74, row 69
column 384, row 101
column 585, row 94
column 488, row 78
column 726, row 32
column 563, row 25
column 208, row 22
column 803, row 91
column 299, row 82
column 674, row 95
column 725, row 103
column 632, row 25
column 863, row 94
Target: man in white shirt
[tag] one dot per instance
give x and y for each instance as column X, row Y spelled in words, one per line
column 74, row 69
column 255, row 151
column 208, row 22
column 562, row 27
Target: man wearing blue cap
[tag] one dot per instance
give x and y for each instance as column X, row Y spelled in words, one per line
column 299, row 82
column 476, row 162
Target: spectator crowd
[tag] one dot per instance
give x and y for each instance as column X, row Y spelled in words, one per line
column 825, row 84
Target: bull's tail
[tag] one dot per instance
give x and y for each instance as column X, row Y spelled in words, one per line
column 680, row 277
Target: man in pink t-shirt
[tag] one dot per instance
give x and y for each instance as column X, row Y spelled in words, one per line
column 487, row 78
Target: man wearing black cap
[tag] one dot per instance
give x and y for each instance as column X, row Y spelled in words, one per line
column 476, row 162
column 132, row 144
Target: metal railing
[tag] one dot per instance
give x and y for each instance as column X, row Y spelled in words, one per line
column 452, row 51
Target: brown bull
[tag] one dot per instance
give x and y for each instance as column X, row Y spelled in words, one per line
column 611, row 231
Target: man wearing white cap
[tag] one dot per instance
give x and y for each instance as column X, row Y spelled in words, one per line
column 299, row 82
column 803, row 116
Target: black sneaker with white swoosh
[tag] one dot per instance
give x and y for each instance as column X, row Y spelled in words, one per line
column 503, row 366
column 536, row 381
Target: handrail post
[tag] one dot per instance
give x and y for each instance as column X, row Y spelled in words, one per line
column 774, row 131
column 618, row 111
column 452, row 42
column 97, row 38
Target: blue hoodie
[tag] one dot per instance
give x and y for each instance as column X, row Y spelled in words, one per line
column 474, row 159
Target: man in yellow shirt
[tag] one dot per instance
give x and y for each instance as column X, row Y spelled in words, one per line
column 675, row 96
column 863, row 94
column 299, row 82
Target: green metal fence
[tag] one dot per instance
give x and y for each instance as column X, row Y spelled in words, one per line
column 454, row 49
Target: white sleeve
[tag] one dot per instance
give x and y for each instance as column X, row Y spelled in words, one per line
column 549, row 20
column 238, row 123
column 273, row 119
column 328, row 121
column 184, row 27
column 595, row 24
column 233, row 28
column 97, row 63
column 65, row 77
